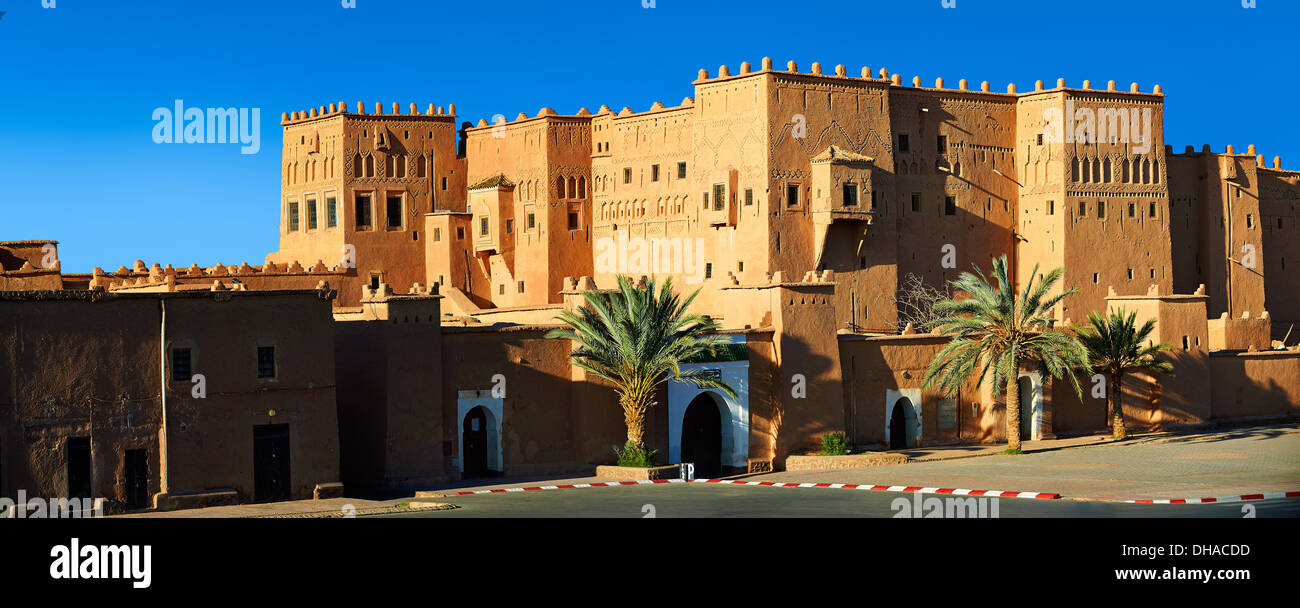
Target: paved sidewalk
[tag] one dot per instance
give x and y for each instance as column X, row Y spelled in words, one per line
column 1150, row 466
column 1157, row 466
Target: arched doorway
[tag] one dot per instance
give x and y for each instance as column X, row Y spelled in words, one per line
column 1026, row 385
column 475, row 443
column 902, row 425
column 702, row 436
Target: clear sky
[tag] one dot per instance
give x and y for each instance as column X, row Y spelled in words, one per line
column 79, row 84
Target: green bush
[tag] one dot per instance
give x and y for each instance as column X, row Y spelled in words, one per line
column 631, row 456
column 835, row 444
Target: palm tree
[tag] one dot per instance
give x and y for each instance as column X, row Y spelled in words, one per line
column 1115, row 347
column 637, row 338
column 1001, row 331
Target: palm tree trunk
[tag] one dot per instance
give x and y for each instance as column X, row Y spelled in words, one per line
column 1118, row 432
column 1013, row 408
column 634, row 415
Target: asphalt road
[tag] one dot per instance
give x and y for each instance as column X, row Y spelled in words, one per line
column 700, row 500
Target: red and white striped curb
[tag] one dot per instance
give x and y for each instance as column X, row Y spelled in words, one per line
column 1238, row 498
column 774, row 484
column 879, row 488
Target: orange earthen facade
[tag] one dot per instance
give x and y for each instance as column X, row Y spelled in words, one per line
column 797, row 201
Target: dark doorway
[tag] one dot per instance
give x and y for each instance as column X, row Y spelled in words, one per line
column 135, row 470
column 79, row 467
column 271, row 462
column 702, row 436
column 475, row 444
column 898, row 425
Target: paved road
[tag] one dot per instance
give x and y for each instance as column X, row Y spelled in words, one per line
column 1228, row 463
column 699, row 500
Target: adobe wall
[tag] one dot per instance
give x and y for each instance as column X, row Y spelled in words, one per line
column 87, row 364
column 388, row 366
column 29, row 265
column 1255, row 384
column 210, row 441
column 53, row 346
column 550, row 424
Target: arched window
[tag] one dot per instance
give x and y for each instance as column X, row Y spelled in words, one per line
column 420, row 170
column 1096, row 170
column 573, row 188
column 1123, row 165
column 559, row 187
column 582, row 187
column 358, row 170
column 370, row 166
column 1155, row 172
column 1105, row 171
column 1146, row 171
column 1074, row 170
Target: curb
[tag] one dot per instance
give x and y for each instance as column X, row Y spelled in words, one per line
column 773, row 484
column 1238, row 498
column 570, row 486
column 877, row 488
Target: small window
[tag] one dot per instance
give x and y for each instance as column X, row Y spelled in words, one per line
column 708, row 270
column 363, row 210
column 943, row 144
column 460, row 234
column 851, row 195
column 1083, row 208
column 1151, row 211
column 1040, row 139
column 904, row 145
column 749, row 197
column 627, row 175
column 293, row 216
column 1279, row 223
column 437, row 234
column 331, row 212
column 521, row 287
column 444, row 183
column 395, row 212
column 719, row 197
column 266, row 362
column 916, row 202
column 949, row 205
column 792, row 195
column 1051, row 207
column 1101, row 210
column 483, row 226
column 501, row 289
column 1096, row 277
column 573, row 220
column 1130, row 274
column 181, row 370
column 681, row 170
column 532, row 221
column 510, row 226
column 1132, row 210
column 311, row 214
column 1250, row 220
column 654, row 173
column 375, row 279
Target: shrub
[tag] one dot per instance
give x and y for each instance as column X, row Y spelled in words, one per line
column 632, row 456
column 835, row 444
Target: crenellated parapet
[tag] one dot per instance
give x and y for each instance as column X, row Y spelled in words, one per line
column 268, row 276
column 333, row 110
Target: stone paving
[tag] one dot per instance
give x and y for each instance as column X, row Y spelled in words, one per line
column 1157, row 466
column 1152, row 466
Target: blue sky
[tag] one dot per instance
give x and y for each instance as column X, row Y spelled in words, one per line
column 79, row 83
